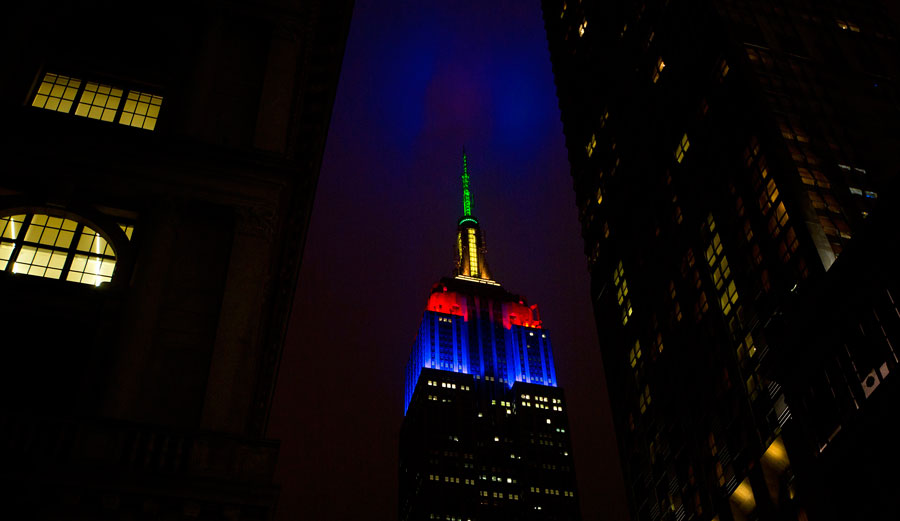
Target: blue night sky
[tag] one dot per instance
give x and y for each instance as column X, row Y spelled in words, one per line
column 419, row 82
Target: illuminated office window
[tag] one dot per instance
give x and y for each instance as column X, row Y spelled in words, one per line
column 57, row 248
column 592, row 144
column 660, row 65
column 56, row 92
column 723, row 69
column 635, row 354
column 682, row 148
column 141, row 110
column 473, row 254
column 622, row 293
column 99, row 101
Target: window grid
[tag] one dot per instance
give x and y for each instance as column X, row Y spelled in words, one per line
column 682, row 148
column 141, row 110
column 56, row 92
column 622, row 293
column 57, row 248
column 98, row 101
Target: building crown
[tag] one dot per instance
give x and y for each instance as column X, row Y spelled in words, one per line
column 470, row 244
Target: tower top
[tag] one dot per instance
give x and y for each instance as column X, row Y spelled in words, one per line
column 467, row 195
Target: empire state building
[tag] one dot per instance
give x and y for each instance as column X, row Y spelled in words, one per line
column 485, row 434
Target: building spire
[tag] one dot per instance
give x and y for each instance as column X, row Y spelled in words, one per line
column 470, row 249
column 467, row 196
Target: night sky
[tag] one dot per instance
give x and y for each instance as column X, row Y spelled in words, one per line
column 419, row 82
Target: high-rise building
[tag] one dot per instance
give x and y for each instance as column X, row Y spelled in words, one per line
column 159, row 168
column 486, row 432
column 726, row 157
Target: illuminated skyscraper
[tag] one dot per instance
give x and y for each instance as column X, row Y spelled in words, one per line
column 731, row 161
column 485, row 434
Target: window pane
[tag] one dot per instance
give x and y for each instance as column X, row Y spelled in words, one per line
column 56, row 92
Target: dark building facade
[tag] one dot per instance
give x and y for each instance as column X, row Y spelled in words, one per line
column 485, row 434
column 727, row 156
column 159, row 170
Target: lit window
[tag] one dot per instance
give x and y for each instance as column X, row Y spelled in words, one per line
column 592, row 144
column 473, row 254
column 141, row 110
column 582, row 27
column 723, row 70
column 56, row 92
column 660, row 65
column 645, row 399
column 99, row 101
column 635, row 354
column 682, row 148
column 56, row 248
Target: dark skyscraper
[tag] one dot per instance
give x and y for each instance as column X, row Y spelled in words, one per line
column 159, row 168
column 485, row 434
column 727, row 156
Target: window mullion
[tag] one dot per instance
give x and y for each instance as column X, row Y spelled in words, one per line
column 76, row 238
column 26, row 223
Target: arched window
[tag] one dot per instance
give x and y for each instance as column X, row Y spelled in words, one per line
column 57, row 248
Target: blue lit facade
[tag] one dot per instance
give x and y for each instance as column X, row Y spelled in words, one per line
column 486, row 346
column 473, row 326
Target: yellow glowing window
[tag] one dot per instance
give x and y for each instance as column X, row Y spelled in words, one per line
column 752, row 387
column 99, row 101
column 56, row 92
column 660, row 65
column 635, row 354
column 141, row 110
column 473, row 254
column 57, row 248
column 728, row 298
column 723, row 69
column 592, row 144
column 682, row 148
column 582, row 28
column 645, row 399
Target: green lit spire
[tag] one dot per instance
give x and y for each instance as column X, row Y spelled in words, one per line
column 467, row 197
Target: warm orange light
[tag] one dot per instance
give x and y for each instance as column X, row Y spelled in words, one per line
column 743, row 498
column 776, row 455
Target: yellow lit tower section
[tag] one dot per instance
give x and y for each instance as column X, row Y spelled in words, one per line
column 470, row 246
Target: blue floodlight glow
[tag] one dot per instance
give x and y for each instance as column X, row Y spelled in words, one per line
column 481, row 347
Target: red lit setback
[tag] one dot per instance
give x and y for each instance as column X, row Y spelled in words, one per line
column 447, row 302
column 452, row 303
column 517, row 313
